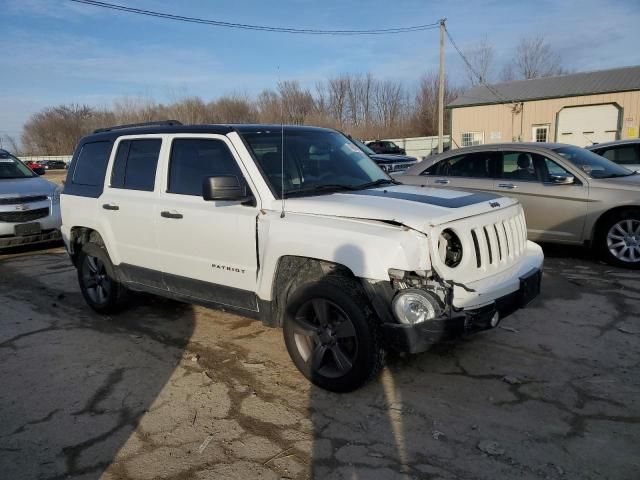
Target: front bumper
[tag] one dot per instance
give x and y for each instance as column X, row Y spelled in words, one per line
column 49, row 227
column 419, row 338
column 42, row 237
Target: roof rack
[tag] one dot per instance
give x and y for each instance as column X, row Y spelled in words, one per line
column 135, row 125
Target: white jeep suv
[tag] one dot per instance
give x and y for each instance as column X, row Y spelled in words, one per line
column 297, row 227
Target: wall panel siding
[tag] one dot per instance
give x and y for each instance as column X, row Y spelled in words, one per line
column 499, row 118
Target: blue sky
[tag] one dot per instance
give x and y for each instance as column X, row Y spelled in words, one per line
column 56, row 51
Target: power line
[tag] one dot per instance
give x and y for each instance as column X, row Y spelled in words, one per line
column 473, row 71
column 263, row 28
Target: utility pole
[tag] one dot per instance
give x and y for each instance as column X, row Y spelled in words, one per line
column 441, row 89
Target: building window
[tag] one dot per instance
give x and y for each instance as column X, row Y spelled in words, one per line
column 540, row 133
column 472, row 138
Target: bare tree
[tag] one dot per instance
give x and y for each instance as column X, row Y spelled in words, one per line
column 8, row 141
column 356, row 104
column 535, row 58
column 56, row 130
column 297, row 103
column 508, row 72
column 425, row 116
column 481, row 60
column 232, row 109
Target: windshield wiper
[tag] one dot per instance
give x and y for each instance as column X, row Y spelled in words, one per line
column 321, row 188
column 376, row 183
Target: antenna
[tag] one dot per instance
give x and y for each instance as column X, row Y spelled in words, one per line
column 281, row 148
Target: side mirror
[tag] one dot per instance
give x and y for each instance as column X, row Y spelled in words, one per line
column 224, row 188
column 563, row 179
column 39, row 170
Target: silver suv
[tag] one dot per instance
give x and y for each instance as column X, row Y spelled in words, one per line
column 29, row 205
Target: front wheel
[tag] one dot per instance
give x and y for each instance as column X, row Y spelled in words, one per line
column 332, row 335
column 620, row 239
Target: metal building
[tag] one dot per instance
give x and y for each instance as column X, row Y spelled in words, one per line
column 580, row 109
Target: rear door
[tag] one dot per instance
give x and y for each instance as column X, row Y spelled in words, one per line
column 468, row 171
column 553, row 212
column 129, row 205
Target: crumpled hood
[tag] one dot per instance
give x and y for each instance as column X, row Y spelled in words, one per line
column 21, row 187
column 413, row 206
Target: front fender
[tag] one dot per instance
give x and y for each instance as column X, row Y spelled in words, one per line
column 366, row 247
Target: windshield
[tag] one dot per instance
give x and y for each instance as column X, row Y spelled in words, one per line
column 314, row 161
column 364, row 148
column 592, row 164
column 11, row 167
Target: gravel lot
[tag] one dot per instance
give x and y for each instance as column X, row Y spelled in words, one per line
column 168, row 390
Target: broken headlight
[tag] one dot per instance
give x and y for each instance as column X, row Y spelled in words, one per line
column 450, row 248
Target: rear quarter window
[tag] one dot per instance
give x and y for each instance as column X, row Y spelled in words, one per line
column 91, row 164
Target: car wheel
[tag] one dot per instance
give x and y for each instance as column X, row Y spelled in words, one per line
column 332, row 335
column 98, row 283
column 619, row 239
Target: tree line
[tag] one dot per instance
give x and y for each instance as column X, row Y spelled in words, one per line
column 361, row 105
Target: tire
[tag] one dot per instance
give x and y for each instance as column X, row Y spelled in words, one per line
column 98, row 282
column 619, row 239
column 332, row 336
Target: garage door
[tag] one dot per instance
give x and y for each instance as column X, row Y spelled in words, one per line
column 587, row 125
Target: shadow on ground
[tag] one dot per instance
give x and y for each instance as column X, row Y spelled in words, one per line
column 75, row 384
column 553, row 392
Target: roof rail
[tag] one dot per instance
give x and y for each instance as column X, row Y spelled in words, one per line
column 134, row 125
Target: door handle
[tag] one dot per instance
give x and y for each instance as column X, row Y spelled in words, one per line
column 166, row 214
column 110, row 206
column 441, row 181
column 510, row 186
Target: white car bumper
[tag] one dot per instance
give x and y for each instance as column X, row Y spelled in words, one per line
column 486, row 290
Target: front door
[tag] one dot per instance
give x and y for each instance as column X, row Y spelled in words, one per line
column 553, row 212
column 208, row 247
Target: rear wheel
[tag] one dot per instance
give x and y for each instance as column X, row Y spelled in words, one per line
column 619, row 238
column 98, row 283
column 332, row 336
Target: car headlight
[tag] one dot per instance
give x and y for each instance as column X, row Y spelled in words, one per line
column 413, row 306
column 55, row 198
column 450, row 248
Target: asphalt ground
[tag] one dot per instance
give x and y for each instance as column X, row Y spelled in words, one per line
column 169, row 390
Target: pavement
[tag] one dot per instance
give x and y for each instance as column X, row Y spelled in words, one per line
column 169, row 390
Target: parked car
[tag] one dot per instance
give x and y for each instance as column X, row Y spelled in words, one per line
column 36, row 167
column 29, row 205
column 53, row 164
column 622, row 152
column 385, row 146
column 313, row 237
column 387, row 162
column 570, row 195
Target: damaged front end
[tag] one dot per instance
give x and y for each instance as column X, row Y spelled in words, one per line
column 417, row 311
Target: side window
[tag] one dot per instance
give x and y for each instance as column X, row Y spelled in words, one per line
column 432, row 170
column 91, row 164
column 135, row 165
column 471, row 165
column 193, row 160
column 625, row 155
column 520, row 166
column 530, row 167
